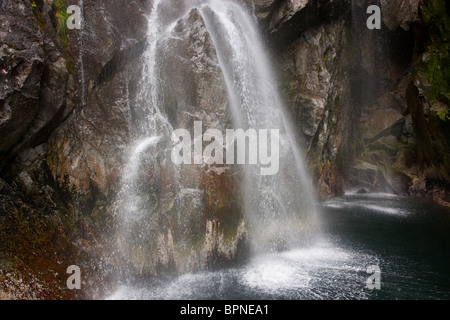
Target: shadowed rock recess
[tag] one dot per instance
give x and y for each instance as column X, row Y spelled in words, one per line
column 369, row 108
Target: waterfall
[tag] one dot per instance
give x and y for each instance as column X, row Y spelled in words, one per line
column 133, row 207
column 279, row 208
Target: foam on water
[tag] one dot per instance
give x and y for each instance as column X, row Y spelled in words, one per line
column 380, row 203
column 300, row 273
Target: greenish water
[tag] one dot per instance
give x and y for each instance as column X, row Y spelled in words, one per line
column 408, row 239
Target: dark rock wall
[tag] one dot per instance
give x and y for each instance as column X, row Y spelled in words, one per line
column 371, row 106
column 57, row 158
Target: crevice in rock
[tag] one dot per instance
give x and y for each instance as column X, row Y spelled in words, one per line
column 119, row 61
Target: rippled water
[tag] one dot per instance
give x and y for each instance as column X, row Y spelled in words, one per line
column 408, row 239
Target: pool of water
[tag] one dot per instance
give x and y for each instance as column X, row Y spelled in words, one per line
column 407, row 239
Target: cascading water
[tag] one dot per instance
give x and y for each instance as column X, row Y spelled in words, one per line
column 278, row 208
column 133, row 207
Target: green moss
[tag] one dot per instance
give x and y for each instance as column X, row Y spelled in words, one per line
column 435, row 67
column 441, row 110
column 37, row 12
column 60, row 10
column 436, row 18
column 70, row 63
column 62, row 16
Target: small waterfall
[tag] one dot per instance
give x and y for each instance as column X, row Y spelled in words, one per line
column 279, row 208
column 134, row 207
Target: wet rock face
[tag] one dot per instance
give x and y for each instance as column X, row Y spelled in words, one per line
column 48, row 69
column 315, row 89
column 85, row 152
column 402, row 13
column 22, row 67
column 346, row 88
column 106, row 34
column 313, row 69
column 191, row 55
column 41, row 83
column 412, row 160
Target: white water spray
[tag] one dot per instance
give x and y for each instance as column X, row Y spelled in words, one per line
column 280, row 208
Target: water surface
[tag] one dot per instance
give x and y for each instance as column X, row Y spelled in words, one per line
column 407, row 238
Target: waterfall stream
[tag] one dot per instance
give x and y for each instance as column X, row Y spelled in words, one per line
column 278, row 208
